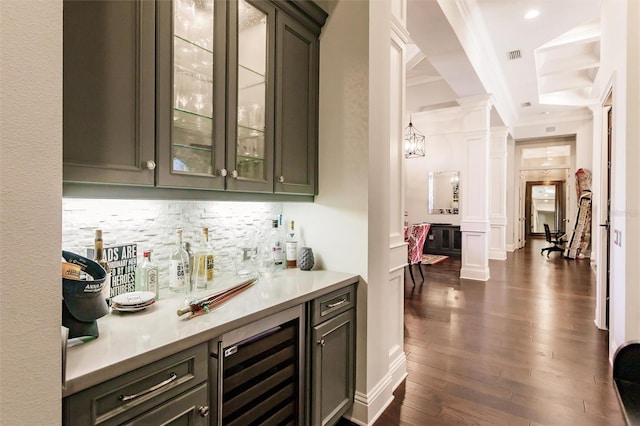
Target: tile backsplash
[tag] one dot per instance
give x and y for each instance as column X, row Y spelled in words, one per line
column 152, row 224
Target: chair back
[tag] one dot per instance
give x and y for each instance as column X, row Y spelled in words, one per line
column 417, row 238
column 547, row 233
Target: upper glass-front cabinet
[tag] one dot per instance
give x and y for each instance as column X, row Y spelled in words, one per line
column 251, row 61
column 190, row 87
column 192, row 135
column 252, row 71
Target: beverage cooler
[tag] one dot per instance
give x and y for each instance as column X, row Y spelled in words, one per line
column 259, row 372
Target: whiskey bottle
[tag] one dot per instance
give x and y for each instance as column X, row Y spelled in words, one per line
column 204, row 261
column 98, row 257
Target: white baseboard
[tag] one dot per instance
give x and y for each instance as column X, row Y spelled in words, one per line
column 368, row 407
column 398, row 370
column 478, row 274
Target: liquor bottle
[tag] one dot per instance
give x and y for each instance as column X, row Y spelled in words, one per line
column 179, row 267
column 206, row 261
column 147, row 275
column 276, row 245
column 291, row 246
column 98, row 256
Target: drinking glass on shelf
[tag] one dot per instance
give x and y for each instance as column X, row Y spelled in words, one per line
column 256, row 117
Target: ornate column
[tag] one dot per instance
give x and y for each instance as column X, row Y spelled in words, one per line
column 498, row 194
column 475, row 188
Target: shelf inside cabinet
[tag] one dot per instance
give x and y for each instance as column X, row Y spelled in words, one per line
column 246, row 132
column 249, row 78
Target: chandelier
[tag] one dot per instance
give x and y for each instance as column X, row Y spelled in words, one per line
column 413, row 142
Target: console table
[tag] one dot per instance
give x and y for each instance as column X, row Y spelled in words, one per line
column 444, row 238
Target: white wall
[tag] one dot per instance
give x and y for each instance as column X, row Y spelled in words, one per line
column 623, row 305
column 336, row 225
column 445, row 149
column 30, row 211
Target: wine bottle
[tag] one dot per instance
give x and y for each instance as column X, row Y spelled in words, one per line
column 147, row 275
column 291, row 246
column 98, row 257
column 179, row 266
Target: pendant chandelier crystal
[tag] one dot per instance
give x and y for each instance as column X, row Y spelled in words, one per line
column 413, row 142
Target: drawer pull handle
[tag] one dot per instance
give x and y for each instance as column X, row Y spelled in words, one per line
column 125, row 398
column 321, row 342
column 341, row 302
column 204, row 411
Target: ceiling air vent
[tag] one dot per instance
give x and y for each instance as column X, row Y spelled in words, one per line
column 525, row 104
column 514, row 54
column 551, row 129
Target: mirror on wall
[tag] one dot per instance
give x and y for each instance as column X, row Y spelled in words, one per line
column 444, row 192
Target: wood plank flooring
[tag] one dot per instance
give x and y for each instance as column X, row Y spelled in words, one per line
column 520, row 349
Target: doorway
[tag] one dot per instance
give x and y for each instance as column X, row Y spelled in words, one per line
column 544, row 203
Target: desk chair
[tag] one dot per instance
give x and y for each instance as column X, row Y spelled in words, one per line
column 417, row 238
column 556, row 240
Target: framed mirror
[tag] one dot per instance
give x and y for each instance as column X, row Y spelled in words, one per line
column 444, row 192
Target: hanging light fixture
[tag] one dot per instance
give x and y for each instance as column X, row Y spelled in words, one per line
column 413, row 142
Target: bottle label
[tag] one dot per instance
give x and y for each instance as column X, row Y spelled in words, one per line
column 277, row 254
column 209, row 268
column 177, row 274
column 152, row 281
column 292, row 250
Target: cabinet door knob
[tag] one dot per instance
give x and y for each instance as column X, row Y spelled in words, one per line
column 281, row 179
column 151, row 165
column 204, row 411
column 222, row 172
column 321, row 342
column 234, row 174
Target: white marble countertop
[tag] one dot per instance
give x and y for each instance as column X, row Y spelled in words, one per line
column 131, row 340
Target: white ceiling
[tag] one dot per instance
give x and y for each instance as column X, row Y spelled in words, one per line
column 559, row 56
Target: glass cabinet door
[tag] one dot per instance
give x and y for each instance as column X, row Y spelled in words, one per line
column 250, row 150
column 192, row 122
column 252, row 70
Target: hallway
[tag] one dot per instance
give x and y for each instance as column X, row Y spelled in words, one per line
column 520, row 349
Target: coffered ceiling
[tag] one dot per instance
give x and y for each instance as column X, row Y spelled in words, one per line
column 537, row 70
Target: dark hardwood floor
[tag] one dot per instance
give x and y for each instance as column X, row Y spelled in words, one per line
column 519, row 349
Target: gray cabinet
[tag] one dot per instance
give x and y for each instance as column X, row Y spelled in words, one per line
column 445, row 239
column 174, row 388
column 109, row 92
column 296, row 107
column 213, row 95
column 332, row 369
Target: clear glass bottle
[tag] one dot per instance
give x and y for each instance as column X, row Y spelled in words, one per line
column 179, row 267
column 98, row 257
column 147, row 275
column 291, row 246
column 275, row 240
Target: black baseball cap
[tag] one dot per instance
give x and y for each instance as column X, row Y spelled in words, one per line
column 83, row 302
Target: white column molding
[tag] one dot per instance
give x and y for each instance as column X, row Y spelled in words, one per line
column 498, row 194
column 474, row 224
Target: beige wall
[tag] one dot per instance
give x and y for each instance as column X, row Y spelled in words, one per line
column 30, row 211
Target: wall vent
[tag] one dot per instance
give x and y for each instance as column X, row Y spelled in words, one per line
column 551, row 129
column 514, row 54
column 525, row 104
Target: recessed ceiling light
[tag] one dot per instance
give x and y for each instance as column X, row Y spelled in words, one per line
column 533, row 13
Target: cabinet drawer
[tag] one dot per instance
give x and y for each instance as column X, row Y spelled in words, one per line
column 190, row 408
column 329, row 305
column 125, row 397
